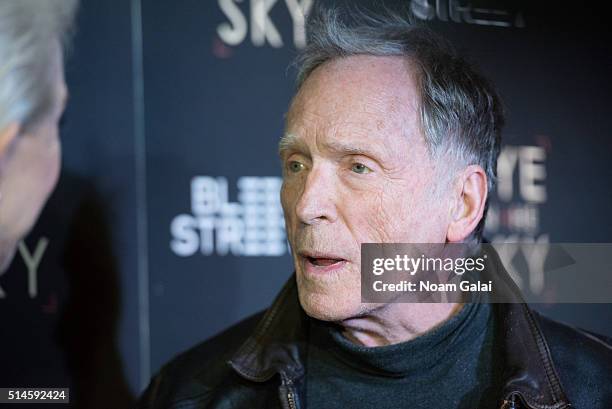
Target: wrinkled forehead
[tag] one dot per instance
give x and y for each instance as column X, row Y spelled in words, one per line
column 358, row 96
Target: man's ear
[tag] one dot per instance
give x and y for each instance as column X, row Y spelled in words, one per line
column 7, row 136
column 470, row 198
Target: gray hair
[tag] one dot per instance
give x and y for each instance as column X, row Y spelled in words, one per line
column 460, row 113
column 28, row 30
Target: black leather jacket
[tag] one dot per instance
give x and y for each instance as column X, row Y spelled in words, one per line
column 258, row 363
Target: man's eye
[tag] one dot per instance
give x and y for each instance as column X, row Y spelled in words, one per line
column 295, row 166
column 360, row 168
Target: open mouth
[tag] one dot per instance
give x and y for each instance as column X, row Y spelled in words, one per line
column 323, row 262
column 316, row 263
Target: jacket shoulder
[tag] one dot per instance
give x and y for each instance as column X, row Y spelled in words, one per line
column 190, row 378
column 583, row 361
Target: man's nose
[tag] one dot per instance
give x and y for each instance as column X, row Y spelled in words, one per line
column 316, row 203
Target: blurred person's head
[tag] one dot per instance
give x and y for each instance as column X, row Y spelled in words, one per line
column 32, row 99
column 391, row 138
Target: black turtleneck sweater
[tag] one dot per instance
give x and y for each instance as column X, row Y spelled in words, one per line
column 449, row 367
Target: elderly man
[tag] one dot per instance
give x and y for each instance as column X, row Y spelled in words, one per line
column 391, row 138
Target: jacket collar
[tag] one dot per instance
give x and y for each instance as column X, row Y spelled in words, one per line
column 278, row 345
column 278, row 342
column 529, row 373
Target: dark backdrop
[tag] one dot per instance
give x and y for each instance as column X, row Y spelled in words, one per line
column 166, row 227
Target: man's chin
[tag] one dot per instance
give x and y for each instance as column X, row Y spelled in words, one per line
column 329, row 308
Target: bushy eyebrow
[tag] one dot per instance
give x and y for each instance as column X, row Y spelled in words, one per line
column 343, row 149
column 289, row 142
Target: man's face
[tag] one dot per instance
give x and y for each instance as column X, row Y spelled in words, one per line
column 356, row 170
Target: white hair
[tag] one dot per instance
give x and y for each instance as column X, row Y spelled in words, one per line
column 28, row 31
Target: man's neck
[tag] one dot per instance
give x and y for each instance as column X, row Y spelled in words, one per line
column 395, row 323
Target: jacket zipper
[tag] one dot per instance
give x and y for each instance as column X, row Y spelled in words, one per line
column 291, row 395
column 515, row 400
column 510, row 403
column 291, row 399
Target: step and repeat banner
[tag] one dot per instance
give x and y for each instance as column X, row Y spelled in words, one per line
column 166, row 226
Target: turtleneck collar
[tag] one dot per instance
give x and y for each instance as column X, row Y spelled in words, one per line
column 413, row 356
